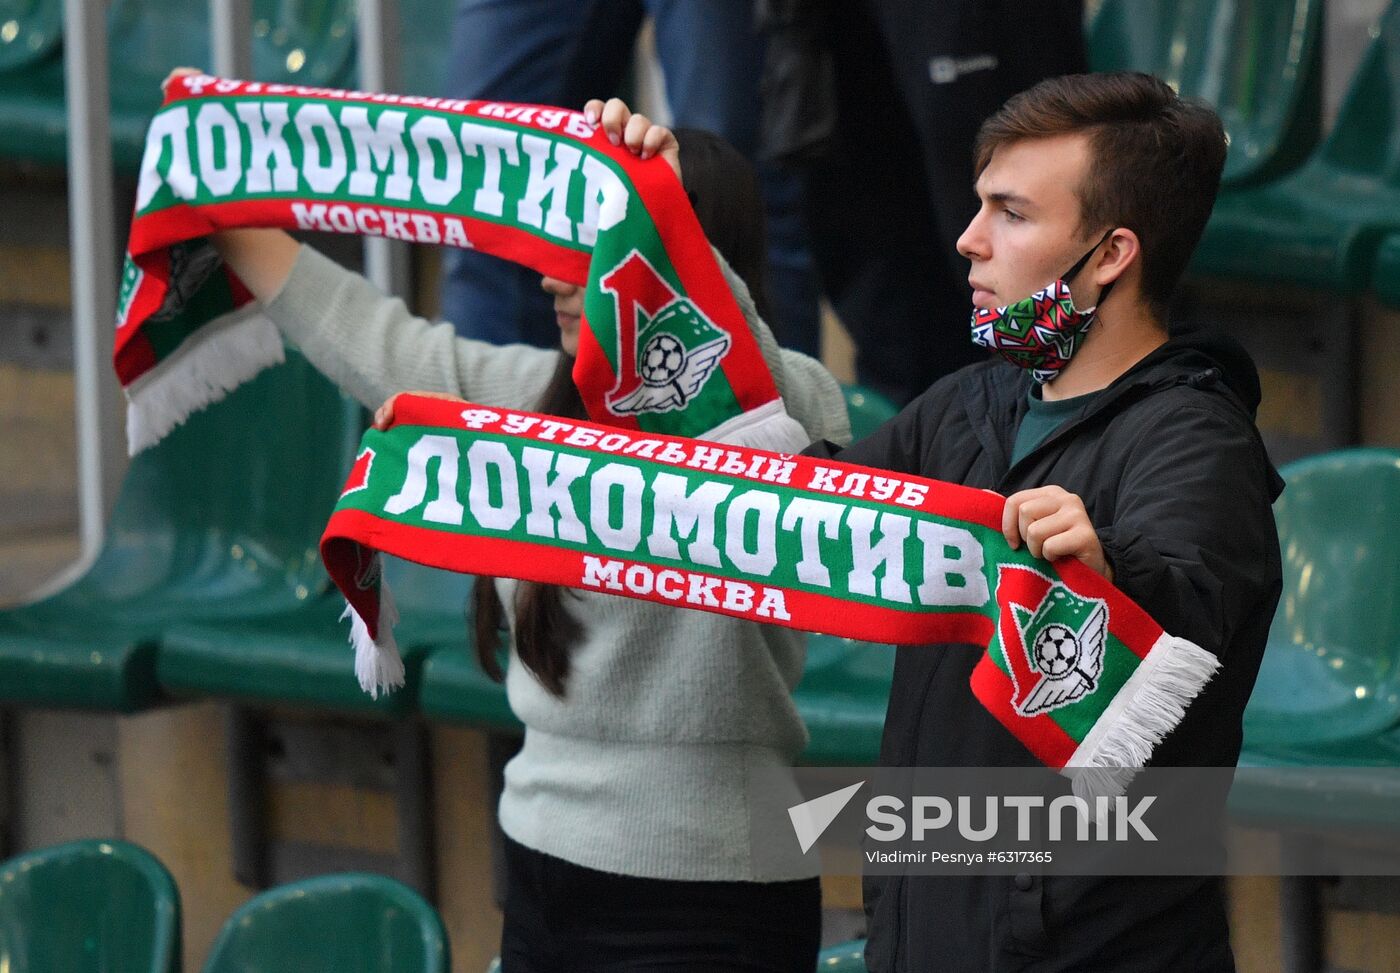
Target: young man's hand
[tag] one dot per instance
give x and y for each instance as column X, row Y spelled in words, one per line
column 1054, row 524
column 637, row 132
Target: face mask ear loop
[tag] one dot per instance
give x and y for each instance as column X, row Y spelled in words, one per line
column 1079, row 265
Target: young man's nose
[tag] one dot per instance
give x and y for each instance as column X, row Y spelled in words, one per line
column 972, row 243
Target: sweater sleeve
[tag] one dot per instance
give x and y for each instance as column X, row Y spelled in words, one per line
column 372, row 347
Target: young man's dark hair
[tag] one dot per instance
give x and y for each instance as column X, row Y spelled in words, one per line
column 1114, row 444
column 1146, row 145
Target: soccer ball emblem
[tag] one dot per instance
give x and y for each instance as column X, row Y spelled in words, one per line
column 1056, row 650
column 662, row 359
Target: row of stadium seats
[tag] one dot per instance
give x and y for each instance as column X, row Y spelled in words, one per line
column 1292, row 209
column 309, row 43
column 210, row 584
column 95, row 906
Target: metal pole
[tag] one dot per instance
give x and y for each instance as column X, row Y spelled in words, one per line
column 93, row 248
column 386, row 261
column 231, row 37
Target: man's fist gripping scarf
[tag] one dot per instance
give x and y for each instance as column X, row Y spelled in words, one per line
column 1073, row 667
column 664, row 346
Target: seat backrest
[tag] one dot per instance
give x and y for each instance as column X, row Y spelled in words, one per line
column 306, row 43
column 353, row 923
column 867, row 409
column 309, row 42
column 1332, row 669
column 425, row 31
column 228, row 509
column 30, row 30
column 1364, row 139
column 88, row 907
column 1257, row 62
column 845, row 958
column 1339, row 529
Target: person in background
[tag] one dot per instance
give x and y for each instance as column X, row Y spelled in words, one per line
column 711, row 56
column 884, row 217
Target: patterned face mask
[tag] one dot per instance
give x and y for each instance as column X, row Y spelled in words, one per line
column 1042, row 332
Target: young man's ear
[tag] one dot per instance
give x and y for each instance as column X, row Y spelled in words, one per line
column 1119, row 254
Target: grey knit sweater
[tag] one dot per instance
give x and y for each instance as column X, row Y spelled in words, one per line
column 643, row 768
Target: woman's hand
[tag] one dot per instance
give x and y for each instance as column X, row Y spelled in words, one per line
column 177, row 73
column 262, row 258
column 637, row 132
column 384, row 415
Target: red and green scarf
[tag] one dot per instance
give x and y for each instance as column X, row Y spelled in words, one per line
column 1077, row 671
column 664, row 346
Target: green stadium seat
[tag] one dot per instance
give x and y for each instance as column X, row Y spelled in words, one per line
column 1386, row 278
column 455, row 689
column 845, row 958
column 306, row 43
column 842, row 697
column 1326, row 709
column 1257, row 62
column 1320, row 227
column 352, row 923
column 30, row 30
column 88, row 907
column 1331, row 673
column 219, row 521
column 867, row 409
column 425, row 30
column 302, row 656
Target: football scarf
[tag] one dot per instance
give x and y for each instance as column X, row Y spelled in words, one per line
column 664, row 346
column 1077, row 671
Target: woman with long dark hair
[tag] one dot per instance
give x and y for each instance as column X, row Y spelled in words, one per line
column 630, row 842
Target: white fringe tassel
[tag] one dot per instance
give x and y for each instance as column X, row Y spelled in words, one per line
column 211, row 363
column 378, row 665
column 767, row 427
column 1147, row 708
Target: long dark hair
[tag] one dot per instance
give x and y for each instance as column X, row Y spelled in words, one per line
column 723, row 188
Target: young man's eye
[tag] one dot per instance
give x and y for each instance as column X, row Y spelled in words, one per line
column 1012, row 216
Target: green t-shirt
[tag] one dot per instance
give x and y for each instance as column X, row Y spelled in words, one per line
column 1044, row 418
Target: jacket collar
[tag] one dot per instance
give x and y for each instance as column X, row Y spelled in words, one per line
column 997, row 393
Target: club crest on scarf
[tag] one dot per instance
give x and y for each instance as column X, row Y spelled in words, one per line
column 1051, row 638
column 1039, row 334
column 667, row 347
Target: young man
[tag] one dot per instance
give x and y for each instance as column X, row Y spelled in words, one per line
column 1115, row 443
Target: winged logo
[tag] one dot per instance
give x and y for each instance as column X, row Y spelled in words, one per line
column 679, row 349
column 1064, row 640
column 1050, row 640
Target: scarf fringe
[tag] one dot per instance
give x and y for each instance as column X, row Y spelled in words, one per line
column 378, row 665
column 211, row 363
column 766, row 427
column 1147, row 708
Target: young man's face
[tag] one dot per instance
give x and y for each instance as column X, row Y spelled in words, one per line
column 1027, row 231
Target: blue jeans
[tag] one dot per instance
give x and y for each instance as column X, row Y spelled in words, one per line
column 562, row 52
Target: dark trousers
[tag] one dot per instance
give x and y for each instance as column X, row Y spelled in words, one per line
column 564, row 918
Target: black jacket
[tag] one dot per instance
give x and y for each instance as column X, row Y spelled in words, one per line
column 1177, row 482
